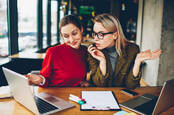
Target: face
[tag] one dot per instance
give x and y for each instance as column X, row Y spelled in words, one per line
column 108, row 39
column 72, row 35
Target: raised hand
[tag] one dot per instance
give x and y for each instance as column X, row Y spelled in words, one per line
column 148, row 55
column 142, row 56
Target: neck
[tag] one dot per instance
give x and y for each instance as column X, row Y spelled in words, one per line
column 111, row 49
column 111, row 45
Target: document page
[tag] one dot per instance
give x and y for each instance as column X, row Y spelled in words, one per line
column 99, row 100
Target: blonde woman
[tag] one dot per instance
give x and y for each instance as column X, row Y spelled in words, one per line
column 113, row 60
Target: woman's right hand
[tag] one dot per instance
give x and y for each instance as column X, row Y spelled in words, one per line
column 97, row 54
column 34, row 79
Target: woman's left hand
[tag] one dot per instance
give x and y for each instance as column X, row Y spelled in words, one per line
column 142, row 56
column 148, row 55
column 84, row 84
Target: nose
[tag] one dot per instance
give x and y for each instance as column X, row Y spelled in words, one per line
column 96, row 38
column 71, row 39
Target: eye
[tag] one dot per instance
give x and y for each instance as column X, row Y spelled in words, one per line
column 66, row 36
column 100, row 34
column 74, row 33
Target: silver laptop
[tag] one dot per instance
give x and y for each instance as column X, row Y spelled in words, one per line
column 40, row 104
column 148, row 104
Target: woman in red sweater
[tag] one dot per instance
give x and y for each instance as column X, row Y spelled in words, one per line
column 65, row 64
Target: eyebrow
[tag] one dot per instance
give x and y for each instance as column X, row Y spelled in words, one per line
column 100, row 32
column 71, row 32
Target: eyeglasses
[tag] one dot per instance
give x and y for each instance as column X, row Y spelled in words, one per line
column 100, row 35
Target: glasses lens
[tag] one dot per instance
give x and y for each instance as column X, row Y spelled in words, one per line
column 93, row 34
column 100, row 35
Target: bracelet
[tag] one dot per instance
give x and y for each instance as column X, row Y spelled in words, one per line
column 135, row 77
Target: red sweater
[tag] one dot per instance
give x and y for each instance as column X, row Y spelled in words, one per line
column 64, row 66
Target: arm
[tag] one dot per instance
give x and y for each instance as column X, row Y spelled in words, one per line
column 97, row 54
column 45, row 73
column 99, row 71
column 129, row 80
column 134, row 75
column 142, row 56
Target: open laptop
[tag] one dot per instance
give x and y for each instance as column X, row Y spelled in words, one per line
column 40, row 104
column 148, row 104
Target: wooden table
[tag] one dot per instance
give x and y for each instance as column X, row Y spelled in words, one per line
column 28, row 55
column 11, row 107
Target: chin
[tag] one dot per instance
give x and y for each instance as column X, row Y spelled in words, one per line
column 100, row 48
column 75, row 46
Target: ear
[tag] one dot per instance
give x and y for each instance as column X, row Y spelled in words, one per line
column 81, row 29
column 115, row 34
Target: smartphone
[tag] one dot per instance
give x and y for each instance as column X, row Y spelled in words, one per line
column 94, row 45
column 129, row 92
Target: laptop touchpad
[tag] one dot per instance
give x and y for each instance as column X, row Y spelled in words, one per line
column 55, row 100
column 51, row 99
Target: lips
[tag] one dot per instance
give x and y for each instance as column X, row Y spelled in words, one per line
column 97, row 45
column 74, row 43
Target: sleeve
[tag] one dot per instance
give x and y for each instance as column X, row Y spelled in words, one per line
column 43, row 80
column 47, row 67
column 132, row 82
column 97, row 78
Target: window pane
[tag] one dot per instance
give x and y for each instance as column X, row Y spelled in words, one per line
column 3, row 30
column 27, row 24
column 53, row 22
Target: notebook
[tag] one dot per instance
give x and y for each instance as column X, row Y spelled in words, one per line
column 99, row 100
column 40, row 104
column 148, row 104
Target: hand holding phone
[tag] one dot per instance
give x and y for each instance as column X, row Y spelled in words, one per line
column 129, row 92
column 93, row 45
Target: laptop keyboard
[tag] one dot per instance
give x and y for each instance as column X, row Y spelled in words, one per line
column 147, row 107
column 43, row 106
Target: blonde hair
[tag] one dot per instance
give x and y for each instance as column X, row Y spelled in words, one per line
column 112, row 24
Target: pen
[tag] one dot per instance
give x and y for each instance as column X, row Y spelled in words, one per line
column 77, row 99
column 73, row 96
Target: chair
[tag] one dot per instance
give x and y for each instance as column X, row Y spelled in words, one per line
column 143, row 83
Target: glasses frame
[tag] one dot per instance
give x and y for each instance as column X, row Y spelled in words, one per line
column 100, row 36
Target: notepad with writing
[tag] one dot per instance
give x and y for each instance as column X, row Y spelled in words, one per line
column 99, row 100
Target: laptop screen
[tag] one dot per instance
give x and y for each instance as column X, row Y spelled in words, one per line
column 150, row 104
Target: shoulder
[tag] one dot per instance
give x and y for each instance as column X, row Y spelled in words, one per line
column 83, row 48
column 132, row 48
column 57, row 48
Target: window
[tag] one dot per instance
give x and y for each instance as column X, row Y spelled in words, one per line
column 53, row 23
column 3, row 30
column 27, row 24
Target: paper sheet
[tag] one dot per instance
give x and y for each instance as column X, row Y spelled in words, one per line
column 5, row 92
column 99, row 100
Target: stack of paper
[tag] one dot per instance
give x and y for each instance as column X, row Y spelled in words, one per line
column 5, row 92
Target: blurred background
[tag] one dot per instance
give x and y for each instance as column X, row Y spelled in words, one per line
column 32, row 26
